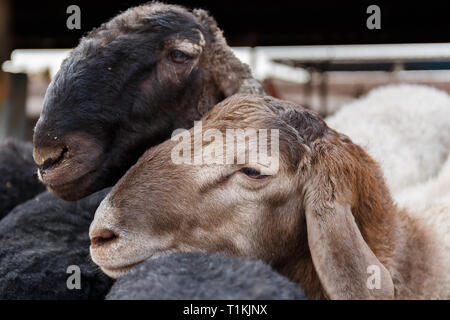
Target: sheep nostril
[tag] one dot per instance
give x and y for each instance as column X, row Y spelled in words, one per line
column 51, row 156
column 103, row 237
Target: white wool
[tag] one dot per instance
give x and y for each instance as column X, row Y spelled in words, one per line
column 434, row 190
column 430, row 201
column 405, row 128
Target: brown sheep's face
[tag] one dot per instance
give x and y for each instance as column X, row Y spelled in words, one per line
column 160, row 207
column 125, row 88
column 316, row 219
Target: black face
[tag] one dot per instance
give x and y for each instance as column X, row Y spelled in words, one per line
column 122, row 90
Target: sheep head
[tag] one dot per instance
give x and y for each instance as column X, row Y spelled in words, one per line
column 125, row 87
column 309, row 216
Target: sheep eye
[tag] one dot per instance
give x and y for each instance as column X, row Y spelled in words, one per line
column 253, row 173
column 178, row 56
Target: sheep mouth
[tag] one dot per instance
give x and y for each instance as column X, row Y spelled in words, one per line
column 71, row 178
column 73, row 189
column 71, row 167
column 116, row 272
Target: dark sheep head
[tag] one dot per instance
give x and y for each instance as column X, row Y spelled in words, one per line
column 125, row 88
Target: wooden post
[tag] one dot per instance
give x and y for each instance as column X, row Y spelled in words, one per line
column 13, row 87
column 5, row 46
column 13, row 120
column 323, row 89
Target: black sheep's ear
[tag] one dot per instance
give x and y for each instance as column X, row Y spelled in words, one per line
column 208, row 22
column 229, row 73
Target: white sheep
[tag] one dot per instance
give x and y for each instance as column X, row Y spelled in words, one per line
column 405, row 128
column 428, row 200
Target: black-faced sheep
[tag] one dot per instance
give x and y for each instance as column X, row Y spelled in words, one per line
column 18, row 178
column 322, row 216
column 39, row 240
column 188, row 276
column 125, row 88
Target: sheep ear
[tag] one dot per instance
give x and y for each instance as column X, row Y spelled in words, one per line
column 229, row 73
column 346, row 266
column 208, row 22
column 344, row 263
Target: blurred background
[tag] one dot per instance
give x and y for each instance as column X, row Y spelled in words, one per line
column 320, row 54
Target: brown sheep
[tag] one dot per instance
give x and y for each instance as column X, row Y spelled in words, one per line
column 325, row 219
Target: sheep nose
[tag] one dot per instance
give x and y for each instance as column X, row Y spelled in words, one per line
column 102, row 237
column 46, row 157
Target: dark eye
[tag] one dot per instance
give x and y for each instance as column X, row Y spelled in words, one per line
column 253, row 173
column 179, row 56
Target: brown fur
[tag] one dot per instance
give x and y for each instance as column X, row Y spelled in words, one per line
column 321, row 220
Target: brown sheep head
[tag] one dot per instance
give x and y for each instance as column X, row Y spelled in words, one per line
column 125, row 87
column 309, row 219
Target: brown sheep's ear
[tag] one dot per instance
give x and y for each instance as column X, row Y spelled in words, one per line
column 341, row 257
column 229, row 73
